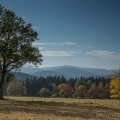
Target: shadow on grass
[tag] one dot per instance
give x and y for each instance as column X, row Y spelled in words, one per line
column 55, row 108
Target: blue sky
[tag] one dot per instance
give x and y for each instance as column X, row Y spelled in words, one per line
column 84, row 33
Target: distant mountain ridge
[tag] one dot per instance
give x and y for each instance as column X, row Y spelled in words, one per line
column 22, row 76
column 67, row 71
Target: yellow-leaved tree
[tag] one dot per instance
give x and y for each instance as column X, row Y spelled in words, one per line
column 115, row 85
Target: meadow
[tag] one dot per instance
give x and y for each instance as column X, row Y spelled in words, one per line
column 39, row 108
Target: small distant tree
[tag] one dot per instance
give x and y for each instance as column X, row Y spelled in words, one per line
column 81, row 91
column 88, row 84
column 23, row 90
column 15, row 88
column 44, row 92
column 107, row 90
column 65, row 90
column 79, row 82
column 93, row 85
column 100, row 85
column 97, row 91
column 92, row 91
column 101, row 90
column 55, row 90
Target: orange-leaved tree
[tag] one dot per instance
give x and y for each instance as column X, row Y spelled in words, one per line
column 81, row 91
column 65, row 90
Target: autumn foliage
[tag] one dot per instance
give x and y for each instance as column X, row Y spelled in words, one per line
column 115, row 85
column 59, row 87
column 15, row 88
column 65, row 90
column 81, row 90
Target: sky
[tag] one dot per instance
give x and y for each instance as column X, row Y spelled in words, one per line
column 84, row 33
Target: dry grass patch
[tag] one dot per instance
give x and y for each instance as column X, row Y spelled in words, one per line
column 42, row 110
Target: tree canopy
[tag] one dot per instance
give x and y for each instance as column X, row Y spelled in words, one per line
column 16, row 38
column 44, row 92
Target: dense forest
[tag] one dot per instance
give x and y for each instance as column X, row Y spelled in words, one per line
column 56, row 86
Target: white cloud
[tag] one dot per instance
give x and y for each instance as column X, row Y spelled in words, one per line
column 67, row 43
column 80, row 46
column 104, row 54
column 47, row 38
column 40, row 48
column 38, row 43
column 30, row 65
column 47, row 43
column 23, row 17
column 89, row 46
column 36, row 28
column 58, row 53
column 80, row 50
column 82, row 58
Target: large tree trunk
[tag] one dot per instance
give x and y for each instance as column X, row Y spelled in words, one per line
column 1, row 92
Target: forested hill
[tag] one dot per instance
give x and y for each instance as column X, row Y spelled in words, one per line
column 22, row 76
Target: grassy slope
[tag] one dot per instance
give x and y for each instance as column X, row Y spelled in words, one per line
column 28, row 108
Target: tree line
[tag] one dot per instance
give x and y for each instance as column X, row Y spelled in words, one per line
column 56, row 86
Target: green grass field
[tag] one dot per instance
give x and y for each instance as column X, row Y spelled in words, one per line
column 37, row 108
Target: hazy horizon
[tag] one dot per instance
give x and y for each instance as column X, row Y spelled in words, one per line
column 66, row 66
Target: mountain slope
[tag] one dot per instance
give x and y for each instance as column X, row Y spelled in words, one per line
column 75, row 72
column 46, row 73
column 98, row 71
column 22, row 76
column 67, row 71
